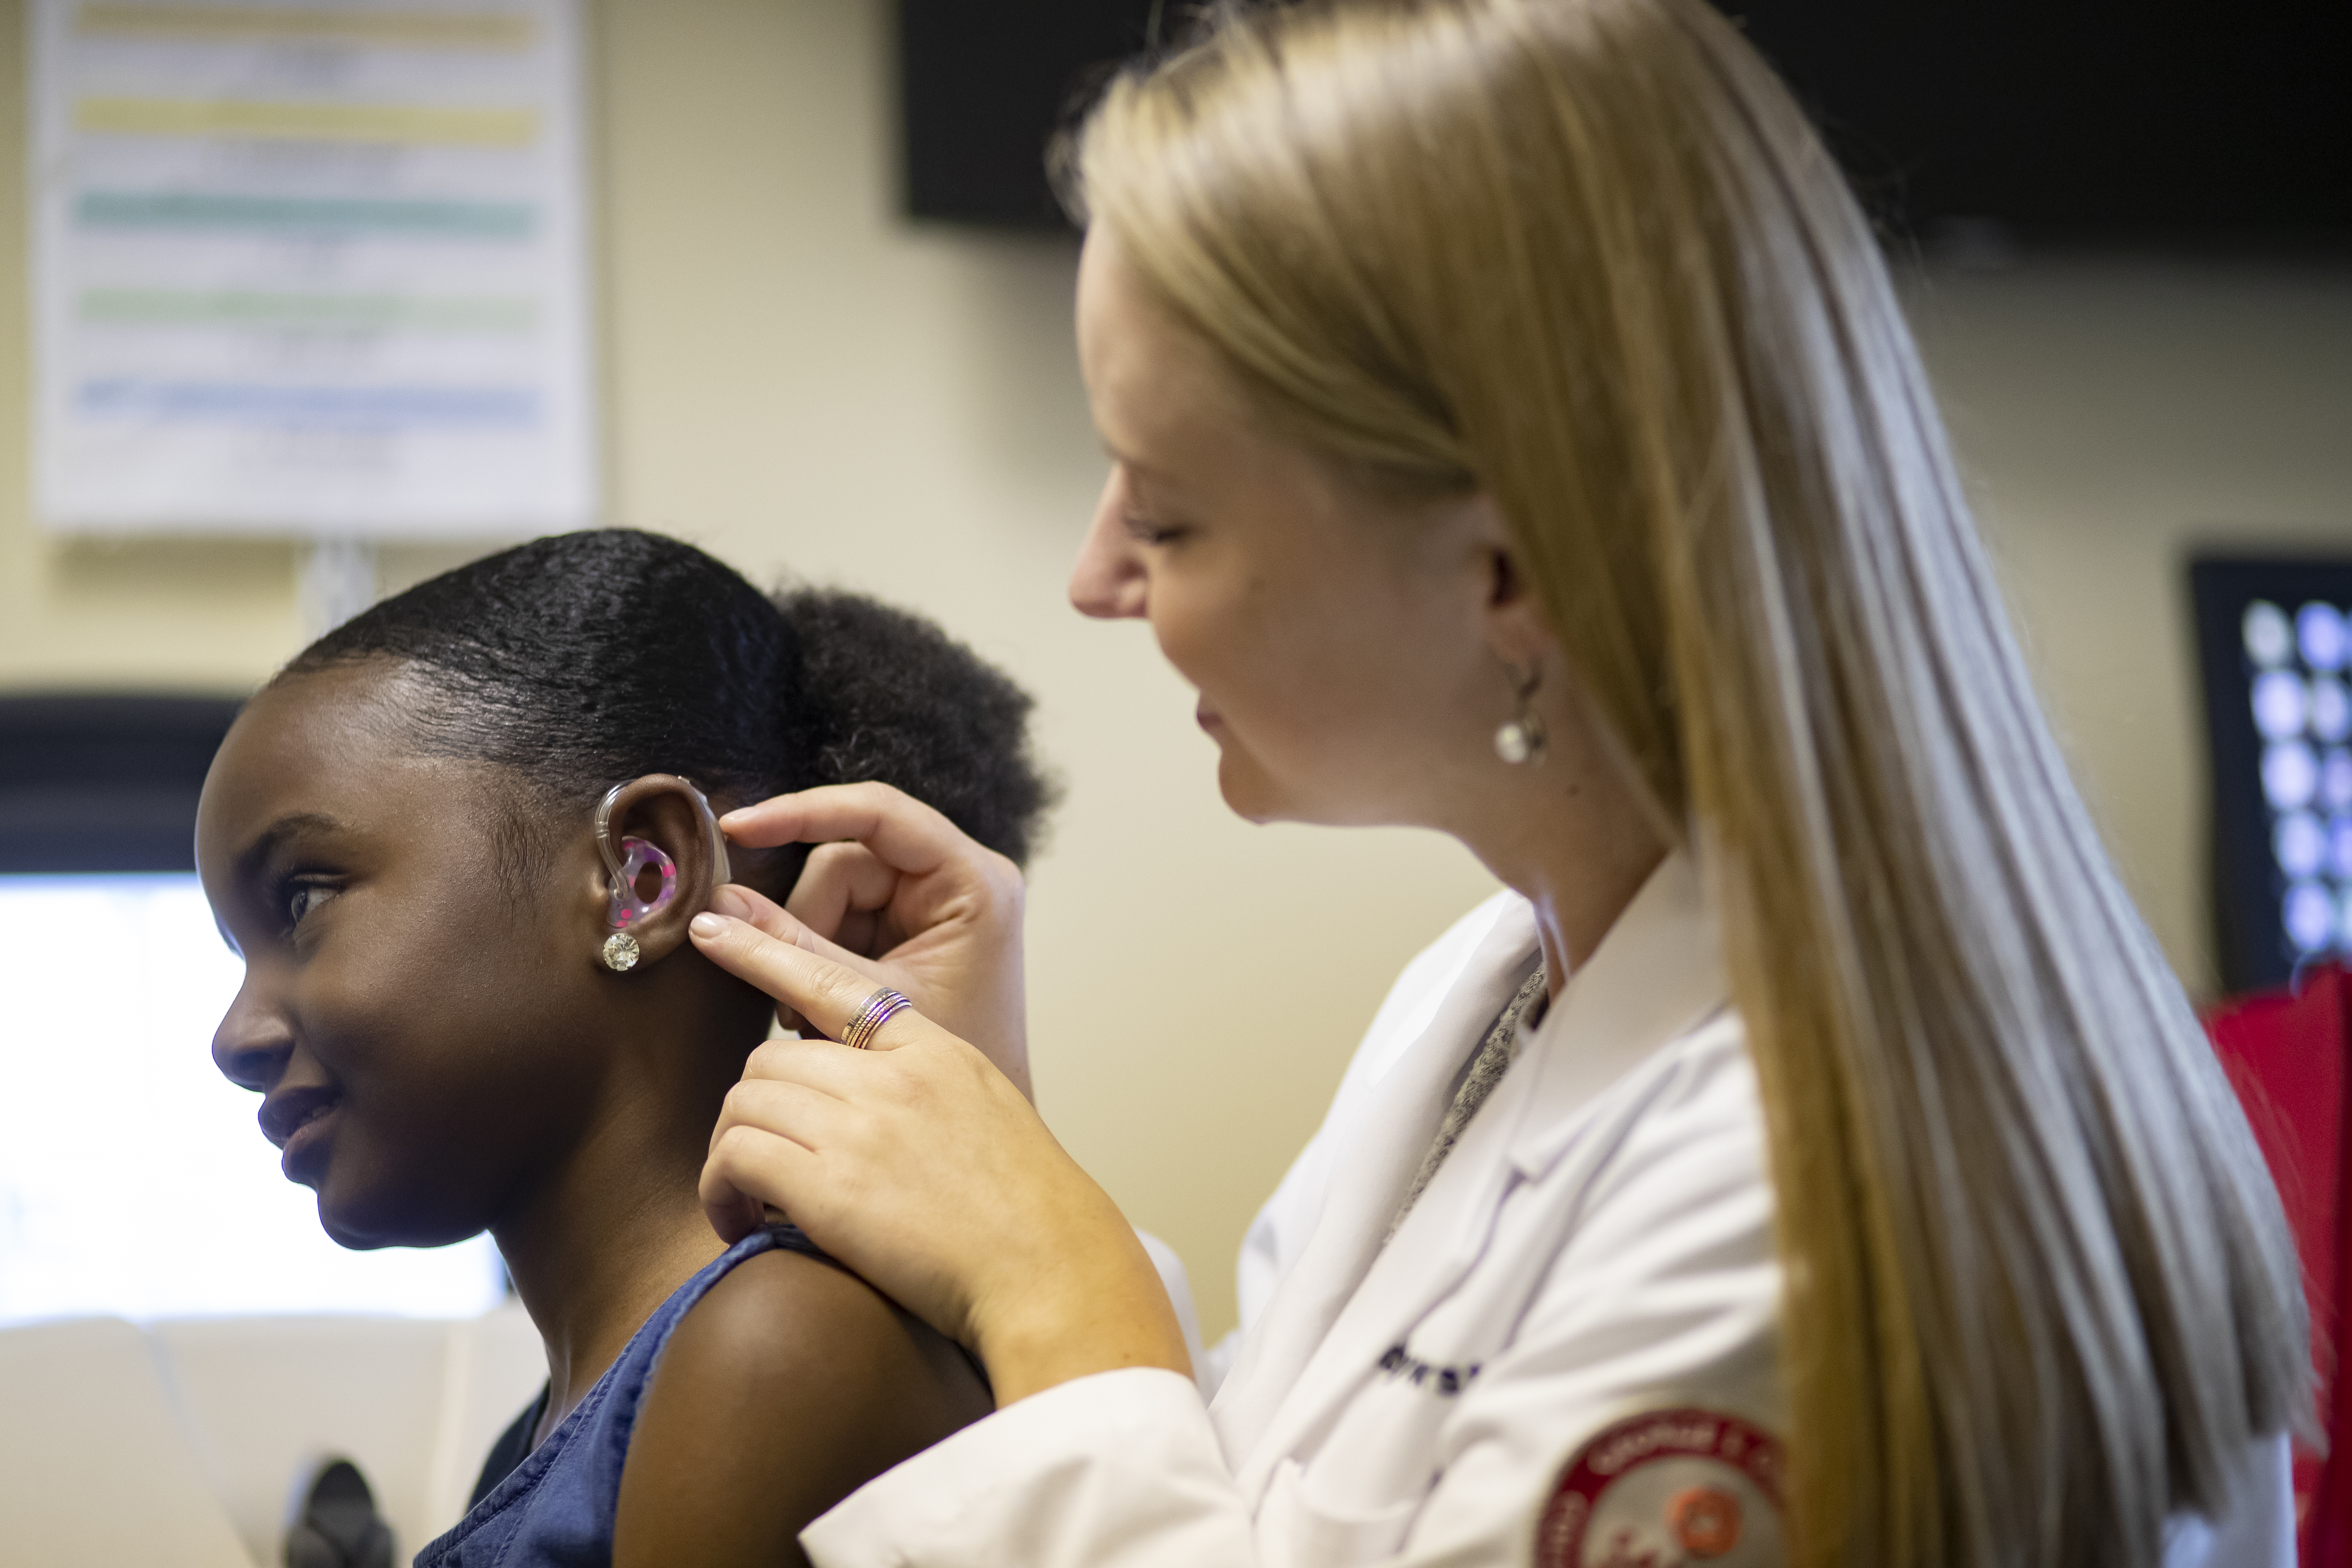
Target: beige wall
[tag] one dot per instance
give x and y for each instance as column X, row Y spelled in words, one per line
column 2113, row 417
column 801, row 383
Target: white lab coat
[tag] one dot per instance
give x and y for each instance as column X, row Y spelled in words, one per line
column 1596, row 1250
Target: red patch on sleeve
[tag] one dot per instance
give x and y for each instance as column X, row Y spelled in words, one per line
column 1666, row 1488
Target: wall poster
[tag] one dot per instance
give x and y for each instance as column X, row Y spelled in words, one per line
column 310, row 268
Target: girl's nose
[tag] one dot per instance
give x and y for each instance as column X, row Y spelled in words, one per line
column 252, row 1041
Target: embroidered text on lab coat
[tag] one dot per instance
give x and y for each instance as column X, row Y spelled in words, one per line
column 1400, row 1362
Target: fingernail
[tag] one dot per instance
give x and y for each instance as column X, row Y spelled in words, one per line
column 729, row 899
column 707, row 925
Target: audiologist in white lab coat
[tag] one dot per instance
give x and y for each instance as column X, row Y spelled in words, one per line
column 1514, row 433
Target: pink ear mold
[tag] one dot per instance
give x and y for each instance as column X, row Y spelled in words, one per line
column 627, row 909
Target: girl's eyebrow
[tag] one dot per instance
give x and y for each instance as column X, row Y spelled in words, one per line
column 293, row 824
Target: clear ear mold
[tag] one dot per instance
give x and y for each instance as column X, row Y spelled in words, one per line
column 626, row 906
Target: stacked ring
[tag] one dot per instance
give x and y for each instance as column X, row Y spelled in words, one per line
column 878, row 1010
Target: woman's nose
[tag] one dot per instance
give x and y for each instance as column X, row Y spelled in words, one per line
column 1107, row 580
column 252, row 1041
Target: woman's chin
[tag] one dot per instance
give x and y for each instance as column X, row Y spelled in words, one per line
column 1249, row 793
column 1255, row 795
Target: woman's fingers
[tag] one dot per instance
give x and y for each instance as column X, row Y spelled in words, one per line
column 748, row 1165
column 878, row 1159
column 792, row 1086
column 786, row 1135
column 882, row 851
column 826, row 991
column 898, row 894
column 739, row 903
column 735, row 901
column 904, row 832
column 843, row 891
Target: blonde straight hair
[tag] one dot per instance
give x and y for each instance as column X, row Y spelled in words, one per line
column 1588, row 257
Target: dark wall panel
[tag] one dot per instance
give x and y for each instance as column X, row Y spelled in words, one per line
column 2087, row 120
column 105, row 782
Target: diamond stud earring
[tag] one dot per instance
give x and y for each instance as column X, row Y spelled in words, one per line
column 619, row 953
column 1520, row 739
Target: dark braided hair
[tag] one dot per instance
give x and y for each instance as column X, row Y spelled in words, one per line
column 584, row 660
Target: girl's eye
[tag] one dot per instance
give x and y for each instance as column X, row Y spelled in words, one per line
column 302, row 898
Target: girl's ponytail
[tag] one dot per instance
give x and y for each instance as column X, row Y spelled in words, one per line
column 887, row 696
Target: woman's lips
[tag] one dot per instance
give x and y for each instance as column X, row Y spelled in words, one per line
column 1206, row 717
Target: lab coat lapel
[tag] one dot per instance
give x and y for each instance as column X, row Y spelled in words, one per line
column 1656, row 975
column 1368, row 1181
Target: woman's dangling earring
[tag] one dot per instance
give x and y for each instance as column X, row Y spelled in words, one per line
column 1521, row 738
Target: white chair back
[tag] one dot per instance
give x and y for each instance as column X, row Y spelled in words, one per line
column 97, row 1466
column 188, row 1442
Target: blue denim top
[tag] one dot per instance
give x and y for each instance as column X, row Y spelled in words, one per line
column 556, row 1508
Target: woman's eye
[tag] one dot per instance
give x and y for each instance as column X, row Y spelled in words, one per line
column 1146, row 532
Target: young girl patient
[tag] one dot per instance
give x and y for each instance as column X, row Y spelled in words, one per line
column 470, row 1006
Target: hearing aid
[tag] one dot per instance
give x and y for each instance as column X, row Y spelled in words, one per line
column 627, row 862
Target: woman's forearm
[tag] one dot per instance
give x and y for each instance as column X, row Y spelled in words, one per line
column 1099, row 1307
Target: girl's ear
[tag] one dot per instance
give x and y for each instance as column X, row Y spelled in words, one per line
column 663, row 856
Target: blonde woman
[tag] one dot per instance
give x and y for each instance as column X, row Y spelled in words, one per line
column 1812, row 1159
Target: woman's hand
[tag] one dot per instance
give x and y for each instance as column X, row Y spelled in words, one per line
column 925, row 1170
column 897, row 892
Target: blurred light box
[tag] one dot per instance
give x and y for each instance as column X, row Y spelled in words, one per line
column 2275, row 647
column 134, row 1180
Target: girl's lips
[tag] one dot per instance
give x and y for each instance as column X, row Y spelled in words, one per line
column 1206, row 717
column 287, row 1109
column 306, row 1137
column 296, row 1119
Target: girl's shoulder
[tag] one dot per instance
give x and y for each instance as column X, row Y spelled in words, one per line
column 766, row 1358
column 788, row 1384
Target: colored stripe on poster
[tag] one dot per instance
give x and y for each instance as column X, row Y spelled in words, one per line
column 410, row 29
column 357, row 312
column 197, row 209
column 262, row 120
column 238, row 403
